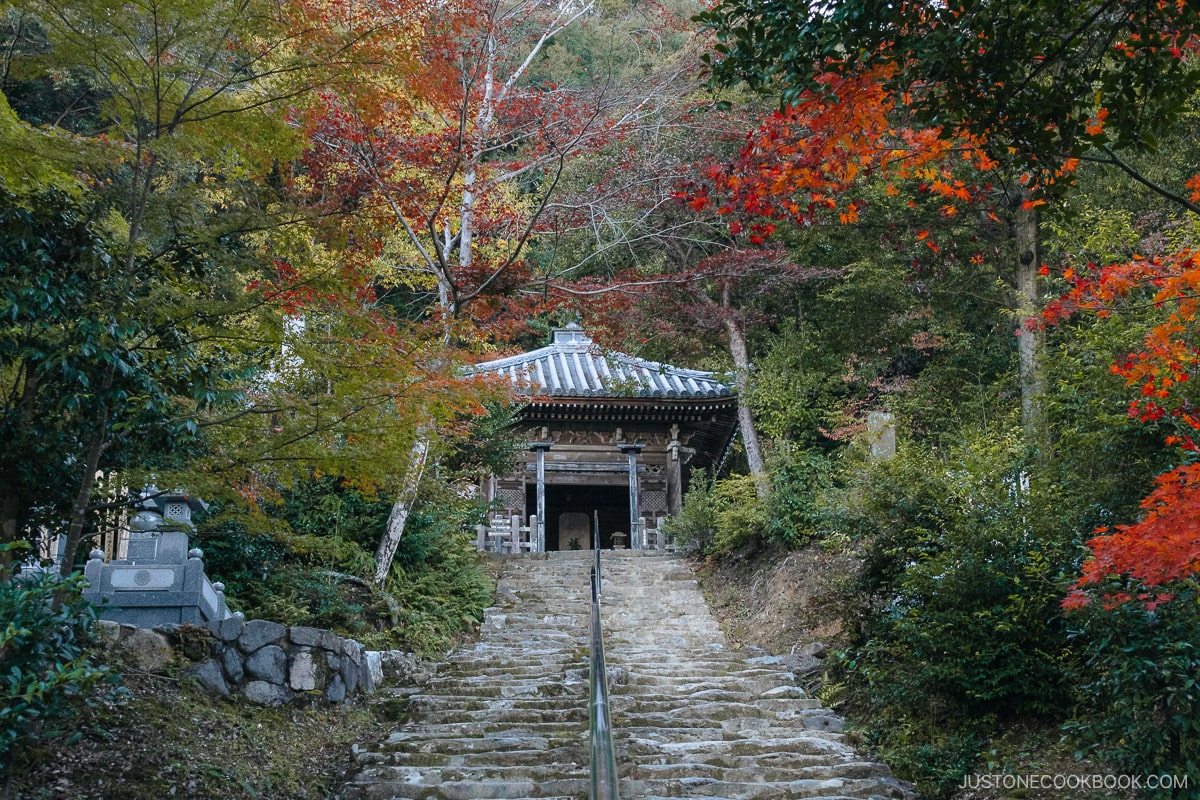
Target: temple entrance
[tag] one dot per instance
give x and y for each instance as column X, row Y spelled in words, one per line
column 569, row 514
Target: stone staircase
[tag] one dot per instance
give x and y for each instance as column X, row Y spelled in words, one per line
column 692, row 718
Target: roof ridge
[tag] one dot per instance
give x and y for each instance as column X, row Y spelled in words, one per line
column 575, row 366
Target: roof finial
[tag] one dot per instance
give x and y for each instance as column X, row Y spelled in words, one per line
column 571, row 333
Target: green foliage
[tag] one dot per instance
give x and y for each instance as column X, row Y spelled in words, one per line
column 1029, row 94
column 692, row 528
column 332, row 509
column 438, row 576
column 442, row 599
column 795, row 507
column 934, row 750
column 720, row 517
column 796, row 384
column 924, row 336
column 84, row 368
column 307, row 560
column 738, row 515
column 45, row 675
column 491, row 442
column 956, row 617
column 1137, row 687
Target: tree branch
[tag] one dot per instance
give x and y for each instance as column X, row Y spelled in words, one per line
column 1115, row 161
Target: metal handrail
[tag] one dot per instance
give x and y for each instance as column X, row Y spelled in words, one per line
column 604, row 762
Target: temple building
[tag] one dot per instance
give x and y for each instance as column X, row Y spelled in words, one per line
column 609, row 437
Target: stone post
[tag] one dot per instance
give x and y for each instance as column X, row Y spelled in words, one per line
column 881, row 435
column 540, row 449
column 635, row 534
column 674, row 473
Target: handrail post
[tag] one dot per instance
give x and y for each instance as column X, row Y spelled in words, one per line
column 603, row 760
column 596, row 550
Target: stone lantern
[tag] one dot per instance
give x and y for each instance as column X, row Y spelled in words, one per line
column 161, row 522
column 159, row 510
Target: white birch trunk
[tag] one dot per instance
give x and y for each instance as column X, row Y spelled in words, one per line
column 741, row 373
column 394, row 530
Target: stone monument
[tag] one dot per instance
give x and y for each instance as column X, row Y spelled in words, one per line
column 160, row 580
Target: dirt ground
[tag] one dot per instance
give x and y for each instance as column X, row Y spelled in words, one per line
column 782, row 602
column 167, row 739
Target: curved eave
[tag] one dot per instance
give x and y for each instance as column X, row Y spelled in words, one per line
column 549, row 406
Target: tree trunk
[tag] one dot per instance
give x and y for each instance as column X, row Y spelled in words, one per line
column 82, row 500
column 8, row 524
column 91, row 464
column 1030, row 342
column 741, row 374
column 15, row 501
column 386, row 551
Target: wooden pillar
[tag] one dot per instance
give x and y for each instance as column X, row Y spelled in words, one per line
column 635, row 534
column 540, row 449
column 674, row 474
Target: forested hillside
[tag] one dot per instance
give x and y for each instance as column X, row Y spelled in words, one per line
column 247, row 248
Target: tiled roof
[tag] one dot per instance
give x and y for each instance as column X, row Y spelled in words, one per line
column 572, row 366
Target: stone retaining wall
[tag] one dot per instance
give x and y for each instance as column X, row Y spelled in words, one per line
column 270, row 664
column 266, row 663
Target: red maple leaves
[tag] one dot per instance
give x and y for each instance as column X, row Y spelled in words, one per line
column 1164, row 545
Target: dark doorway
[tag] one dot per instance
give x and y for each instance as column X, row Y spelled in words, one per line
column 612, row 503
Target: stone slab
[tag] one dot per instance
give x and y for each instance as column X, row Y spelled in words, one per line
column 268, row 663
column 259, row 633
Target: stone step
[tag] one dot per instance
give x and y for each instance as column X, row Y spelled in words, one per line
column 422, row 703
column 574, row 713
column 450, row 747
column 369, row 789
column 538, row 774
column 635, row 708
column 754, row 773
column 512, row 668
column 714, row 711
column 668, row 743
column 431, row 753
column 765, row 688
column 506, row 658
column 507, row 718
column 867, row 789
column 490, row 686
column 484, row 728
column 642, row 695
column 791, row 762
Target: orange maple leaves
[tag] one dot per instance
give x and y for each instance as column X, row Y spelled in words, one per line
column 808, row 157
column 1170, row 352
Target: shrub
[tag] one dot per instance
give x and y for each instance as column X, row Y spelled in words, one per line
column 956, row 615
column 794, row 508
column 692, row 528
column 719, row 518
column 437, row 576
column 739, row 515
column 45, row 675
column 1138, row 685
